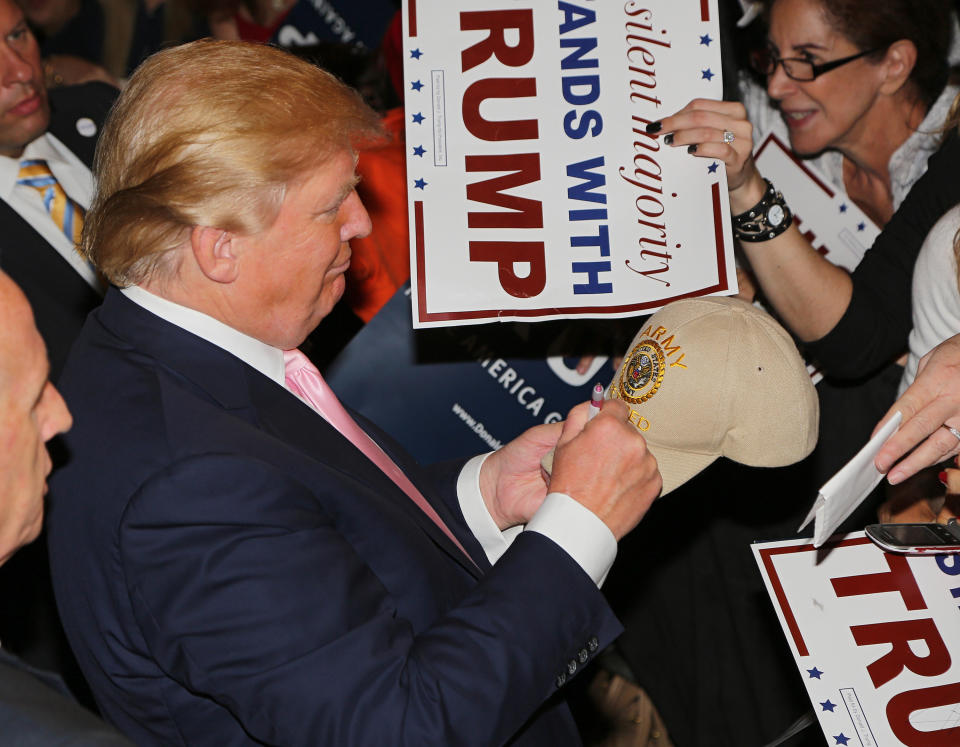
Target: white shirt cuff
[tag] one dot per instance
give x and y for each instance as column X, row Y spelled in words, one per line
column 576, row 529
column 475, row 514
column 580, row 533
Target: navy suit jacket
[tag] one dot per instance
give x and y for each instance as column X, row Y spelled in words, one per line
column 231, row 570
column 60, row 298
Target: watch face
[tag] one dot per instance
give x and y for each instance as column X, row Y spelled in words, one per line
column 775, row 215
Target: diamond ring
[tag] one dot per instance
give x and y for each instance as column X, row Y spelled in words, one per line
column 729, row 137
column 953, row 430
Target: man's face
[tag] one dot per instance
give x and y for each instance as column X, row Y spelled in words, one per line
column 31, row 413
column 24, row 111
column 292, row 273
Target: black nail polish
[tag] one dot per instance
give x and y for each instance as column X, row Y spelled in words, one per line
column 692, row 148
column 668, row 139
column 654, row 127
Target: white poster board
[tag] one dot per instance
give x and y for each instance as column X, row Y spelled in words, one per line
column 831, row 221
column 535, row 191
column 874, row 635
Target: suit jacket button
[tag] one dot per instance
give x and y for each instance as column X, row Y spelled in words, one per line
column 571, row 666
column 582, row 656
column 561, row 679
column 593, row 644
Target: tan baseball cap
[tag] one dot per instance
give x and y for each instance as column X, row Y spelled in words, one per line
column 714, row 376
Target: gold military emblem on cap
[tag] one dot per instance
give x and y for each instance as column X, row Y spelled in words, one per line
column 642, row 373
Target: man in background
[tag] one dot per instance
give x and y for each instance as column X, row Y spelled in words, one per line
column 32, row 711
column 46, row 150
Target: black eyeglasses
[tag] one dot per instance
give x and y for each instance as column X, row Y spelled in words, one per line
column 765, row 62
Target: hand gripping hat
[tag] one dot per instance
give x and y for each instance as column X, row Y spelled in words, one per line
column 713, row 376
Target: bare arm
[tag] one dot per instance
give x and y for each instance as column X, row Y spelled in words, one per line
column 809, row 293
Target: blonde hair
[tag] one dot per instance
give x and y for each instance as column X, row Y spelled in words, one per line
column 209, row 134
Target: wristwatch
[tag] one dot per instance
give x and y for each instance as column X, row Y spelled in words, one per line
column 767, row 219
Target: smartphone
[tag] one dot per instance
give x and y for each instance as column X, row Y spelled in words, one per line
column 916, row 538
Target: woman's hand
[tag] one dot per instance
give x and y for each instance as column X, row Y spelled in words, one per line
column 700, row 128
column 932, row 401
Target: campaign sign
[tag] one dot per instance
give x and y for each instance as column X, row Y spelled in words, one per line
column 535, row 191
column 874, row 635
column 455, row 392
column 829, row 220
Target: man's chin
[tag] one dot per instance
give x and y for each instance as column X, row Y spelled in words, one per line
column 26, row 131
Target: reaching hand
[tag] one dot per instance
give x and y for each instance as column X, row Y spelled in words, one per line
column 705, row 127
column 932, row 401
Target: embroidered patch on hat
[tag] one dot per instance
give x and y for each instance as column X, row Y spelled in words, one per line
column 641, row 376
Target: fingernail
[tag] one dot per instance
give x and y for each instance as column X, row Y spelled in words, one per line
column 894, row 478
column 668, row 139
column 692, row 148
column 942, row 477
column 654, row 127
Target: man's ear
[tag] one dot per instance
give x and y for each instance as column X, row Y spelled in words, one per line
column 898, row 63
column 215, row 253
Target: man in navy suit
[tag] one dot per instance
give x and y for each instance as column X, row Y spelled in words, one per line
column 236, row 562
column 35, row 708
column 60, row 128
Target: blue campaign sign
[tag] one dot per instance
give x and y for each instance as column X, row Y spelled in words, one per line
column 457, row 391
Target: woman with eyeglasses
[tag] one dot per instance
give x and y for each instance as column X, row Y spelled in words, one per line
column 860, row 87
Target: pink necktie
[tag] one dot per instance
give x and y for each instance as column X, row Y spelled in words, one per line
column 303, row 378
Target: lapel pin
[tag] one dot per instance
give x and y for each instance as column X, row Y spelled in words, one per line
column 86, row 127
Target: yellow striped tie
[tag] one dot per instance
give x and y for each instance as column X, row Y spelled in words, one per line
column 66, row 213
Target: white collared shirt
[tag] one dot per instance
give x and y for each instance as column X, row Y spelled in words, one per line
column 574, row 528
column 77, row 182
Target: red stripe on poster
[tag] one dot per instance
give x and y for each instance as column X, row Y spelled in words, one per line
column 421, row 269
column 771, row 138
column 704, row 10
column 718, row 236
column 411, row 18
column 788, row 616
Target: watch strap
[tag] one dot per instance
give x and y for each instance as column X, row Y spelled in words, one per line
column 766, row 220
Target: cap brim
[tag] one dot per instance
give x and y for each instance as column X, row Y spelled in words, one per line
column 676, row 467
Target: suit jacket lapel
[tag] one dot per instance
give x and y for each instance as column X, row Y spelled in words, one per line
column 237, row 387
column 282, row 414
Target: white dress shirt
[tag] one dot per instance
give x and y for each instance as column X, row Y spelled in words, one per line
column 936, row 298
column 577, row 530
column 77, row 182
